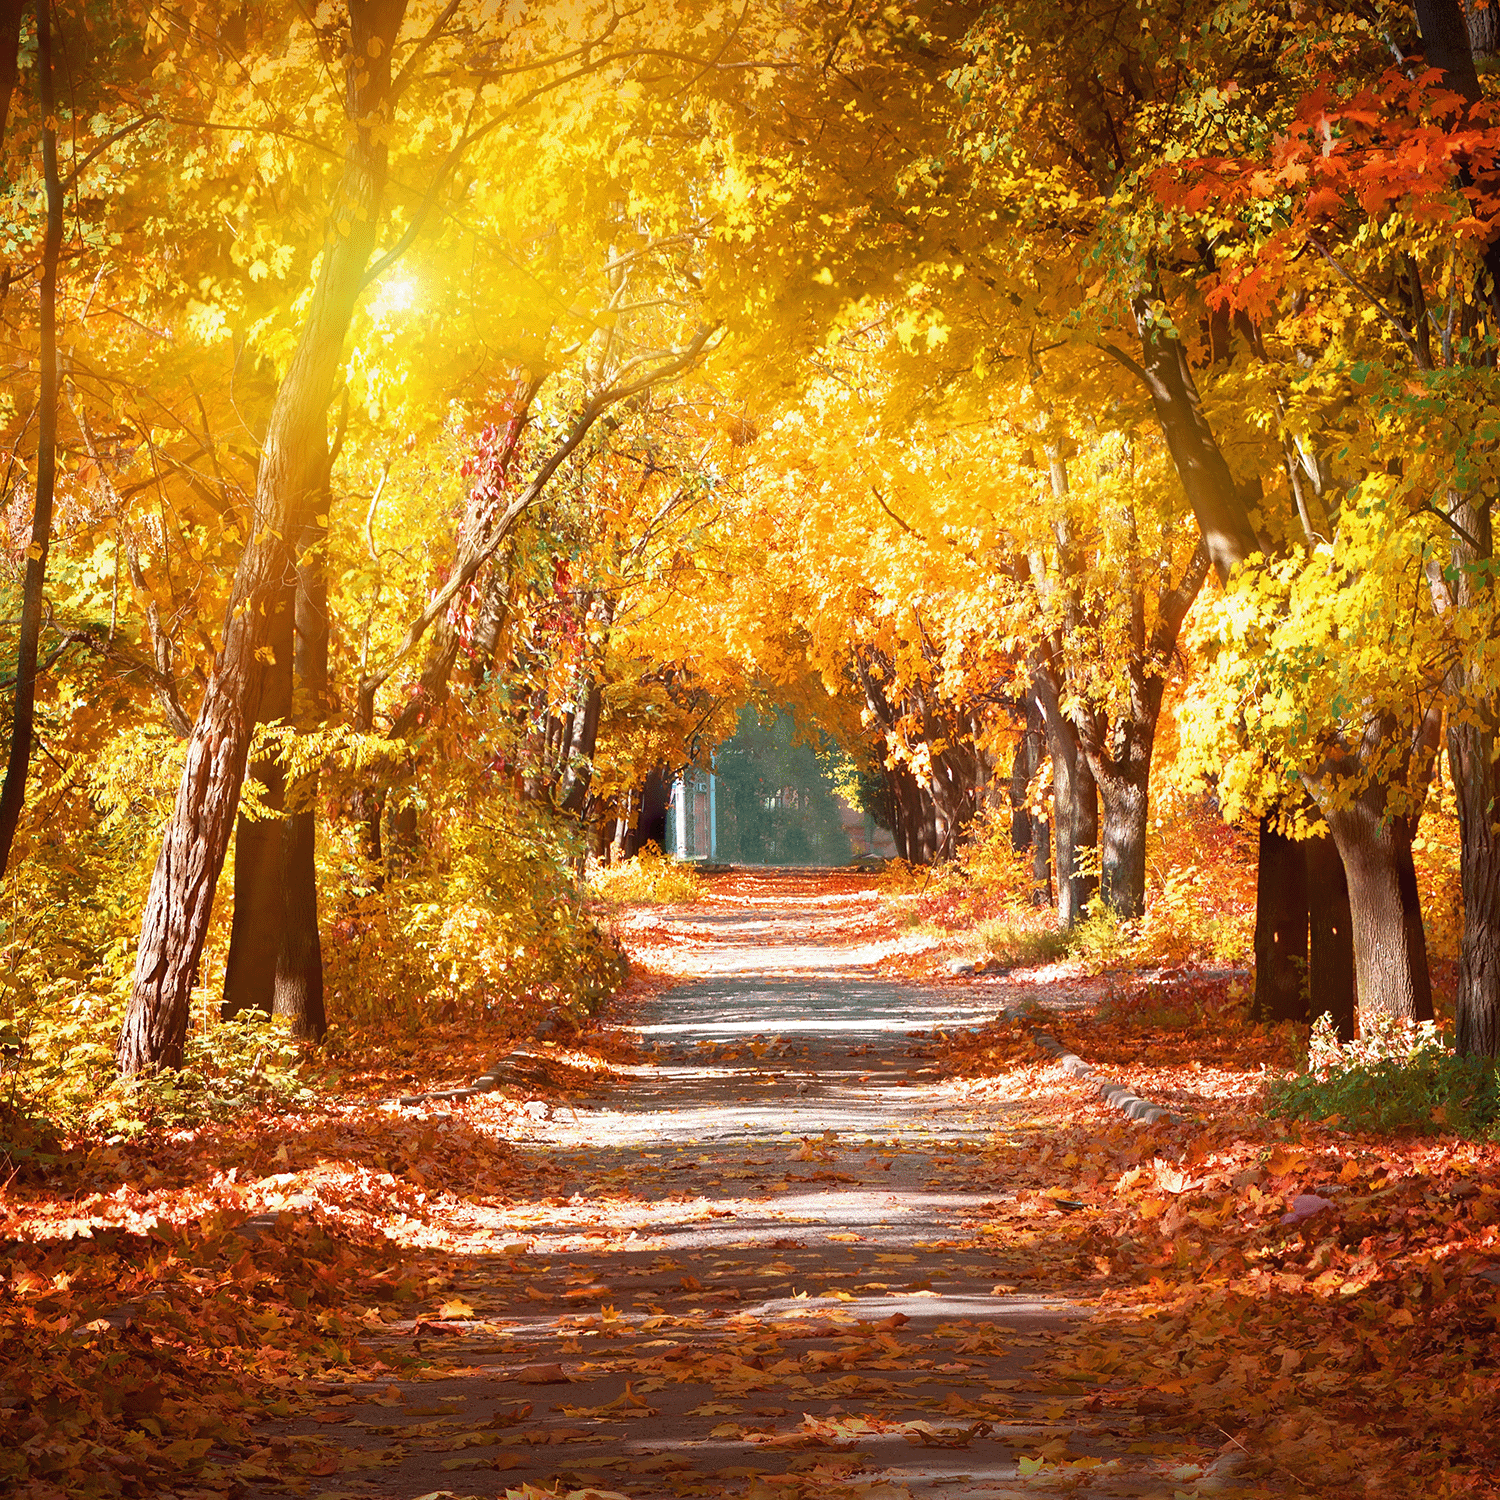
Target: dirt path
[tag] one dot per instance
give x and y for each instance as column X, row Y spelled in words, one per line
column 763, row 1268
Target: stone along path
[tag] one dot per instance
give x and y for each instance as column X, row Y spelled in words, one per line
column 766, row 1266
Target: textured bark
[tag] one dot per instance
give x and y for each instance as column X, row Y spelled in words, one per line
column 1220, row 509
column 1483, row 17
column 255, row 931
column 578, row 769
column 1476, row 781
column 1122, row 845
column 1447, row 44
column 1028, row 831
column 297, row 985
column 271, row 943
column 297, row 992
column 1330, row 964
column 180, row 900
column 1041, row 864
column 1452, row 33
column 1474, row 761
column 1390, row 947
column 1023, row 767
column 1075, row 805
column 1083, row 837
column 18, row 761
column 915, row 826
column 1281, row 930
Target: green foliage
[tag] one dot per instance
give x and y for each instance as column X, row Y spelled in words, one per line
column 776, row 795
column 1394, row 1077
column 249, row 1062
column 1015, row 946
column 649, row 879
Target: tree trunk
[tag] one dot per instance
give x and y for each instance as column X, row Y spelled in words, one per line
column 1041, row 864
column 1472, row 759
column 275, row 872
column 1448, row 43
column 1083, row 879
column 916, row 831
column 1220, row 509
column 898, row 815
column 255, row 931
column 1452, row 35
column 180, row 901
column 1075, row 821
column 1028, row 831
column 1122, row 859
column 1075, row 804
column 578, row 769
column 1483, row 18
column 1390, row 947
column 1330, row 966
column 1023, row 767
column 1281, row 931
column 298, row 992
column 11, row 14
column 18, row 762
column 297, row 996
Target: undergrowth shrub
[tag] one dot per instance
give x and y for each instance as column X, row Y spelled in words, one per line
column 1200, row 897
column 1396, row 1076
column 480, row 919
column 649, row 878
column 489, row 926
column 248, row 1062
column 898, row 878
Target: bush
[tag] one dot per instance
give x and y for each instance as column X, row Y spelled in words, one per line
column 486, row 924
column 228, row 1067
column 1396, row 1076
column 648, row 879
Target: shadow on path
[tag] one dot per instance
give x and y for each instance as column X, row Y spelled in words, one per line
column 766, row 1268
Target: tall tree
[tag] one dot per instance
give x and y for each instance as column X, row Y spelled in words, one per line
column 18, row 761
column 1474, row 722
column 293, row 453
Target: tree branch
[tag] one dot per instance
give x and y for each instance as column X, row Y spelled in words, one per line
column 465, row 574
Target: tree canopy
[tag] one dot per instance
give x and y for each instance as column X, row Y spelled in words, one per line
column 429, row 427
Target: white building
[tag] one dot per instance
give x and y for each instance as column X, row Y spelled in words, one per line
column 692, row 817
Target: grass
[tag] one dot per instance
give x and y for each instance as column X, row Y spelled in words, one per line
column 1016, row 946
column 1394, row 1078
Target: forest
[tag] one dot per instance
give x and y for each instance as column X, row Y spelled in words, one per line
column 433, row 427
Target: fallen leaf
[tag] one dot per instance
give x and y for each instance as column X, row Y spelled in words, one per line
column 1305, row 1206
